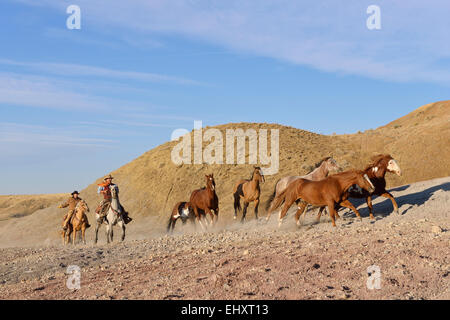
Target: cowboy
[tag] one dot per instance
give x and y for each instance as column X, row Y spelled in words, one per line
column 104, row 189
column 72, row 204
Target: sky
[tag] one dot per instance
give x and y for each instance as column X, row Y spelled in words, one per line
column 76, row 104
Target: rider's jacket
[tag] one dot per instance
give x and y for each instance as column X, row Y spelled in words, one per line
column 105, row 190
column 71, row 203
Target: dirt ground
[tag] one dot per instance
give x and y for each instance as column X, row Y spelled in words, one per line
column 254, row 260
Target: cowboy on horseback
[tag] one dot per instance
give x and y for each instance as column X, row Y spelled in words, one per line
column 71, row 203
column 104, row 189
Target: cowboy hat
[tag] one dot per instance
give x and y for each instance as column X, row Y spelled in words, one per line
column 108, row 177
column 75, row 192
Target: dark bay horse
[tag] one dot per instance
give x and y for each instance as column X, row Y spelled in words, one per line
column 249, row 191
column 181, row 210
column 376, row 171
column 321, row 171
column 330, row 192
column 205, row 201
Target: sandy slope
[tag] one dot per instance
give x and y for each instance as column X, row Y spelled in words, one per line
column 255, row 260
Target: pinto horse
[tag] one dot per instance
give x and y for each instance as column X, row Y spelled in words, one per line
column 113, row 216
column 205, row 201
column 249, row 191
column 331, row 192
column 321, row 171
column 181, row 210
column 376, row 171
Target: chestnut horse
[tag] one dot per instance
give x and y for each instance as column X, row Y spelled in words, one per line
column 205, row 200
column 181, row 210
column 78, row 222
column 249, row 191
column 321, row 171
column 376, row 171
column 330, row 192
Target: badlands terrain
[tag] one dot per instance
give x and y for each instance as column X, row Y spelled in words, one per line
column 253, row 260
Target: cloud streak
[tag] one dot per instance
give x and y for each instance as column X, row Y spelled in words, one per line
column 77, row 70
column 329, row 36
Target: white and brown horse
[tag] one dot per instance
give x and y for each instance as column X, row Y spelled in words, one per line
column 249, row 190
column 181, row 210
column 113, row 216
column 376, row 170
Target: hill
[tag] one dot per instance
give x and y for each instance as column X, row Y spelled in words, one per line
column 151, row 184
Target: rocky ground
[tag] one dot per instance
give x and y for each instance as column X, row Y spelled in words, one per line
column 256, row 260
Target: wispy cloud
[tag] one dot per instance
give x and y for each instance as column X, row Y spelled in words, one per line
column 20, row 135
column 77, row 70
column 326, row 35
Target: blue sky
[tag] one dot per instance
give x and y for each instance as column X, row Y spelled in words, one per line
column 77, row 104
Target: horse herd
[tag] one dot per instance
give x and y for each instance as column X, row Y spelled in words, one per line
column 317, row 189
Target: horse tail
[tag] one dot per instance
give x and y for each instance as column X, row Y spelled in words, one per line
column 272, row 196
column 237, row 197
column 278, row 200
column 170, row 224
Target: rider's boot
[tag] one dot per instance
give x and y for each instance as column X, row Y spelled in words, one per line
column 126, row 218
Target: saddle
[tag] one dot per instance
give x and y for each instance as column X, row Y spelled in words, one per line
column 103, row 210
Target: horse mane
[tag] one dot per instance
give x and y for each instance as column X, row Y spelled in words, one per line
column 318, row 164
column 376, row 159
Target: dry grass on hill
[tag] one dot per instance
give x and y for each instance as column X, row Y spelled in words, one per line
column 151, row 184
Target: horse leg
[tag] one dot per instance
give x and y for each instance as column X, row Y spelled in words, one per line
column 173, row 223
column 244, row 212
column 332, row 214
column 107, row 232
column 68, row 232
column 287, row 204
column 319, row 214
column 216, row 215
column 74, row 236
column 369, row 205
column 211, row 215
column 349, row 205
column 96, row 232
column 122, row 225
column 394, row 203
column 83, row 233
column 256, row 208
column 237, row 205
column 111, row 232
column 301, row 210
column 197, row 215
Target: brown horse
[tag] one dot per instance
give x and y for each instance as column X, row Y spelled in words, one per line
column 78, row 222
column 330, row 192
column 321, row 171
column 205, row 200
column 181, row 210
column 376, row 171
column 249, row 191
